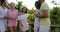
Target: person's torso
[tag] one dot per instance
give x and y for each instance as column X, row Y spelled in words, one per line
column 12, row 14
column 37, row 12
column 3, row 13
column 44, row 21
column 23, row 18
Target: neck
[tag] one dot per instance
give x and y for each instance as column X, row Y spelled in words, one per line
column 41, row 2
column 12, row 8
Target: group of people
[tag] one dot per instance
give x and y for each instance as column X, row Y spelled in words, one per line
column 10, row 17
column 42, row 19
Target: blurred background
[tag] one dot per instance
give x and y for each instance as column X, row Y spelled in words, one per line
column 30, row 4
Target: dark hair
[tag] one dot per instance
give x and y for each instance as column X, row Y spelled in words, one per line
column 37, row 4
column 23, row 8
column 3, row 1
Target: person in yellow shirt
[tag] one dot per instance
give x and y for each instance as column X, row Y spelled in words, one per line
column 44, row 17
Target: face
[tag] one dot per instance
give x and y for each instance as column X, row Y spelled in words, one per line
column 12, row 5
column 4, row 3
column 24, row 10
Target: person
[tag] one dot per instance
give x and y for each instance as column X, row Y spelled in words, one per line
column 24, row 25
column 37, row 19
column 12, row 15
column 44, row 17
column 3, row 20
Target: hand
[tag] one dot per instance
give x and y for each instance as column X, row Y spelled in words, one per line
column 20, row 23
column 5, row 17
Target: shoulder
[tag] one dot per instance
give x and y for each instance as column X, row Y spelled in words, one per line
column 26, row 15
column 44, row 4
column 0, row 7
column 8, row 10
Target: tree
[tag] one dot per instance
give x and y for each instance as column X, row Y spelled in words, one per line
column 19, row 6
column 55, row 16
column 54, row 2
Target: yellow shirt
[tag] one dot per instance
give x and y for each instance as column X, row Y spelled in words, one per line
column 44, row 21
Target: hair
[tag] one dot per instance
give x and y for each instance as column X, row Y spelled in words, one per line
column 2, row 1
column 12, row 3
column 37, row 4
column 23, row 8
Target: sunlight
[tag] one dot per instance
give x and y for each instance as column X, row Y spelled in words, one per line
column 30, row 3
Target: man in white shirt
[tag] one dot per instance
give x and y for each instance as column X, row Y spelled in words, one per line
column 3, row 20
column 37, row 19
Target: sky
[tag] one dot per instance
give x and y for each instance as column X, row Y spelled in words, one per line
column 30, row 3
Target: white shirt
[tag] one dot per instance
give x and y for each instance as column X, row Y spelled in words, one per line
column 3, row 12
column 23, row 19
column 3, row 22
column 37, row 12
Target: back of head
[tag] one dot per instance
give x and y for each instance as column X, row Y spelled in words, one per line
column 37, row 4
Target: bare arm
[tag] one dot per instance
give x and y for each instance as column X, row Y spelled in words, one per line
column 30, row 22
column 36, row 15
column 45, row 14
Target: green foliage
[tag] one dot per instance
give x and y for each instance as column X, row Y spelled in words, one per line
column 55, row 16
column 31, row 11
column 19, row 6
column 8, row 5
column 31, row 14
column 31, row 17
column 54, row 2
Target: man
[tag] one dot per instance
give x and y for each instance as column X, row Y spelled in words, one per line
column 37, row 19
column 3, row 11
column 44, row 17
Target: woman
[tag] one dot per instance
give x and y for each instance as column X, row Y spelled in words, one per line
column 44, row 17
column 37, row 19
column 12, row 15
column 23, row 20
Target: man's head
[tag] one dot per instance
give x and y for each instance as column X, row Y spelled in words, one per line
column 37, row 4
column 3, row 2
column 41, row 1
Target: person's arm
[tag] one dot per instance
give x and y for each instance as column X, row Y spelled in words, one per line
column 7, row 15
column 30, row 22
column 36, row 14
column 45, row 10
column 45, row 14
